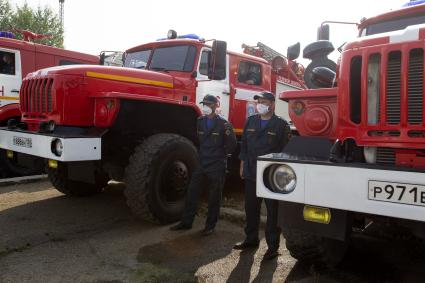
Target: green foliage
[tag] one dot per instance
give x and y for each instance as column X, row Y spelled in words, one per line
column 40, row 20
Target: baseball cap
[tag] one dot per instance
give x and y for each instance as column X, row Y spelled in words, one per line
column 265, row 94
column 209, row 99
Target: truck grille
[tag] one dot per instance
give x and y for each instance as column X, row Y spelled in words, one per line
column 393, row 87
column 415, row 90
column 385, row 156
column 415, row 75
column 36, row 95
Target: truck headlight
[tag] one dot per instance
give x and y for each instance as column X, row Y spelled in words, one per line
column 57, row 147
column 282, row 179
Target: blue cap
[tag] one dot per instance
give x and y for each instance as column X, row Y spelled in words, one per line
column 266, row 95
column 209, row 99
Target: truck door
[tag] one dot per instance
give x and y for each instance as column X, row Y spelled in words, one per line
column 10, row 76
column 220, row 89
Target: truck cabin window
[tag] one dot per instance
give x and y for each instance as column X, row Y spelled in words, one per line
column 204, row 63
column 173, row 58
column 249, row 73
column 68, row 62
column 138, row 59
column 393, row 25
column 7, row 63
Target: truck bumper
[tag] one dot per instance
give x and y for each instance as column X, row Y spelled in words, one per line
column 341, row 186
column 74, row 148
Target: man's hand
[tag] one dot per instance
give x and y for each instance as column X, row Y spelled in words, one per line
column 241, row 170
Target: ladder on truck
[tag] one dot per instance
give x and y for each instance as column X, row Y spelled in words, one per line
column 262, row 50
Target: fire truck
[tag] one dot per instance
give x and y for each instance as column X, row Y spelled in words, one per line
column 17, row 59
column 359, row 162
column 137, row 123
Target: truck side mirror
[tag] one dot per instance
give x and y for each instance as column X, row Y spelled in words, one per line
column 323, row 32
column 102, row 58
column 293, row 51
column 218, row 62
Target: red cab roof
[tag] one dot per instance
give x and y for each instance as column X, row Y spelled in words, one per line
column 196, row 42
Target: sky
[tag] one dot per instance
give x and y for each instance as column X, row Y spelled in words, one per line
column 93, row 26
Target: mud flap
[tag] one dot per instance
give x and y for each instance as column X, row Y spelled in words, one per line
column 291, row 216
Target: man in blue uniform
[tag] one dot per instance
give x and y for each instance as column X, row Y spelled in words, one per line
column 216, row 140
column 263, row 133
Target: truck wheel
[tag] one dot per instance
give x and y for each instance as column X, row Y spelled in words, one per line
column 59, row 179
column 9, row 167
column 158, row 175
column 319, row 62
column 313, row 249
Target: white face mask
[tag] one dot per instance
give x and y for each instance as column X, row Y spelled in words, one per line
column 262, row 109
column 206, row 110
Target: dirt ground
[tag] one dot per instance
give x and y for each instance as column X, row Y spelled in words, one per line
column 47, row 237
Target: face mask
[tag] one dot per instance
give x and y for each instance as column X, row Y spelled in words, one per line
column 262, row 109
column 206, row 110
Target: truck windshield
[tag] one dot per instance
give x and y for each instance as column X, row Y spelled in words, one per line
column 138, row 59
column 392, row 25
column 173, row 58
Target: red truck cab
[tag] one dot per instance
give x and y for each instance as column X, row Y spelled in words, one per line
column 359, row 164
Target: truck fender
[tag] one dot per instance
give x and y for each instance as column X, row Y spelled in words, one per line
column 9, row 111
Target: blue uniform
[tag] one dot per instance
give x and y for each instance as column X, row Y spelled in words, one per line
column 216, row 140
column 260, row 138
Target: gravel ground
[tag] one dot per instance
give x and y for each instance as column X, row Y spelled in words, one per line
column 47, row 237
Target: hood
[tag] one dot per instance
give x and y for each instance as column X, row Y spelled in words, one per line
column 128, row 75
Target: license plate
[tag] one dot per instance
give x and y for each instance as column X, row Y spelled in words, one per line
column 397, row 192
column 22, row 142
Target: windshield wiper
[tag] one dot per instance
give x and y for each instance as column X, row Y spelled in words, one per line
column 159, row 69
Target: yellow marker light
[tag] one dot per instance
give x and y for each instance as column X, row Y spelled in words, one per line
column 53, row 164
column 317, row 214
column 9, row 154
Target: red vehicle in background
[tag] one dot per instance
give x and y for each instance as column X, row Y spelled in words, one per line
column 137, row 124
column 17, row 59
column 359, row 165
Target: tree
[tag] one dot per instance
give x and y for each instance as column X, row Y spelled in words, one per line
column 5, row 14
column 39, row 20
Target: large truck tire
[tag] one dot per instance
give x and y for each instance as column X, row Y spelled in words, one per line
column 58, row 178
column 318, row 62
column 158, row 175
column 312, row 249
column 9, row 167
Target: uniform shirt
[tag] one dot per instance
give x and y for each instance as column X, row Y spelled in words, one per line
column 215, row 143
column 258, row 140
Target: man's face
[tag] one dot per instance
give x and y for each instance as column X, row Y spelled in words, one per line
column 267, row 102
column 213, row 106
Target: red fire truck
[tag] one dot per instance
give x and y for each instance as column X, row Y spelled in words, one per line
column 138, row 123
column 360, row 160
column 17, row 59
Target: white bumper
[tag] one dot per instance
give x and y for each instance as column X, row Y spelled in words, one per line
column 74, row 149
column 344, row 188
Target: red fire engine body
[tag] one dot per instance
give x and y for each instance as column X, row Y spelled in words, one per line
column 25, row 57
column 360, row 158
column 137, row 123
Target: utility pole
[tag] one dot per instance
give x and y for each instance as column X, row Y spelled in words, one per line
column 61, row 12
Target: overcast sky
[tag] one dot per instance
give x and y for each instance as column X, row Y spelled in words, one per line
column 92, row 26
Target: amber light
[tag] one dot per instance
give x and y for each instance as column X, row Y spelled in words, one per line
column 317, row 214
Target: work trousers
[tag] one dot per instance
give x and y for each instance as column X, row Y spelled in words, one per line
column 253, row 210
column 214, row 181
